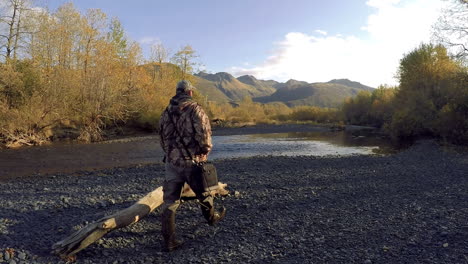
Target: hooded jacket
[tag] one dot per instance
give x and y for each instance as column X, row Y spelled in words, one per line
column 192, row 127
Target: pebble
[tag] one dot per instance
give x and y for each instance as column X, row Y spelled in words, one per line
column 273, row 214
column 22, row 256
column 65, row 199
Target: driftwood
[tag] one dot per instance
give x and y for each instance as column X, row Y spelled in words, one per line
column 89, row 234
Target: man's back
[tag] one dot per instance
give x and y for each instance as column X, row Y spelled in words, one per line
column 192, row 130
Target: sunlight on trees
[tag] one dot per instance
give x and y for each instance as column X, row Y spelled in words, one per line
column 68, row 74
column 431, row 100
column 185, row 58
column 78, row 73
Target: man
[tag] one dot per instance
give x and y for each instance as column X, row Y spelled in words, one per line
column 184, row 127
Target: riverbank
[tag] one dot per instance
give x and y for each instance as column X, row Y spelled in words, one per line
column 70, row 136
column 409, row 207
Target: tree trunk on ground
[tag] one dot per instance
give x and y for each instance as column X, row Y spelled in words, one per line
column 84, row 237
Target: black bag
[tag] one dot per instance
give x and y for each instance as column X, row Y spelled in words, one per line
column 205, row 176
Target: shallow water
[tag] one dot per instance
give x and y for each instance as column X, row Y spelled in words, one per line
column 72, row 157
column 297, row 144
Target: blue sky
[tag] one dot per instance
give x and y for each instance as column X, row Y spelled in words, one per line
column 271, row 39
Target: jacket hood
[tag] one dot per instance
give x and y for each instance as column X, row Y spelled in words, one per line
column 179, row 102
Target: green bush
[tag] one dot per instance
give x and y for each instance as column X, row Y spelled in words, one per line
column 432, row 99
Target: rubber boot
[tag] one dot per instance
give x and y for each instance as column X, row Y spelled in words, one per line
column 168, row 231
column 212, row 216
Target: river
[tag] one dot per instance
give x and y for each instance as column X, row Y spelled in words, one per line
column 74, row 157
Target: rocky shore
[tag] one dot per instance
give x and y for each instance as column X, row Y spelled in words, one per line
column 409, row 207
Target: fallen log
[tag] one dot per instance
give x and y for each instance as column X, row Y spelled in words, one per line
column 89, row 234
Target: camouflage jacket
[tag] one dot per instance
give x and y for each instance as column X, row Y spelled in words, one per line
column 193, row 127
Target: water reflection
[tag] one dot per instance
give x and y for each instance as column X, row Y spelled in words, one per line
column 298, row 144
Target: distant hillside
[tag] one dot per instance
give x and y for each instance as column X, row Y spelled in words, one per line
column 351, row 84
column 210, row 89
column 266, row 87
column 223, row 87
column 235, row 89
column 329, row 94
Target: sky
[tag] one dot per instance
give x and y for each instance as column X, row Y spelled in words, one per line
column 306, row 40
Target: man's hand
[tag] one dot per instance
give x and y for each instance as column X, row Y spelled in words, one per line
column 203, row 157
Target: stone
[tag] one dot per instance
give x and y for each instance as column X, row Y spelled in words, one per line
column 65, row 199
column 22, row 256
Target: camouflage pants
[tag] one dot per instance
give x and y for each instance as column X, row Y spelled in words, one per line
column 174, row 182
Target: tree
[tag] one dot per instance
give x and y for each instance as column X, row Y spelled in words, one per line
column 432, row 95
column 424, row 72
column 12, row 16
column 451, row 28
column 117, row 37
column 357, row 110
column 185, row 59
column 159, row 55
column 11, row 85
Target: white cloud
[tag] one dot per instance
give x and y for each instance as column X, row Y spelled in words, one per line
column 321, row 32
column 394, row 29
column 382, row 3
column 149, row 40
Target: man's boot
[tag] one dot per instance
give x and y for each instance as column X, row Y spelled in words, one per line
column 168, row 231
column 212, row 216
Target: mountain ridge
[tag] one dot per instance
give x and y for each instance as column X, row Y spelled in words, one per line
column 225, row 87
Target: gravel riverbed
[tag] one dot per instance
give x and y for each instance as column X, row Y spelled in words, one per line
column 409, row 207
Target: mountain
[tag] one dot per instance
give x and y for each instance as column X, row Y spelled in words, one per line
column 235, row 89
column 211, row 90
column 266, row 87
column 329, row 94
column 223, row 87
column 351, row 84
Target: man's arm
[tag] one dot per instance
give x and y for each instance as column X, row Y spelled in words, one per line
column 202, row 127
column 162, row 121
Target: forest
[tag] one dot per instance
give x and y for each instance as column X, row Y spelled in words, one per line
column 66, row 74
